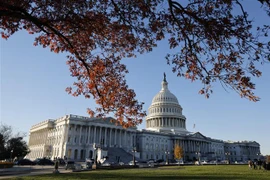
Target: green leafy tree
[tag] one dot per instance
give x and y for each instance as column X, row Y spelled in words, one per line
column 18, row 146
column 2, row 147
column 11, row 145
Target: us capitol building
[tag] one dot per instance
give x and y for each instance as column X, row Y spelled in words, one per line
column 77, row 137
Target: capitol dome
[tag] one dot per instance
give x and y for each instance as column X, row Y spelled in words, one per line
column 165, row 95
column 165, row 112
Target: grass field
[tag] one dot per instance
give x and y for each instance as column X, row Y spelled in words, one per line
column 219, row 172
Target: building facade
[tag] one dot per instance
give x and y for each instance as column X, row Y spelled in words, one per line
column 77, row 137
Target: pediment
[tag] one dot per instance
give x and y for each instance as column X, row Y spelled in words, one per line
column 198, row 135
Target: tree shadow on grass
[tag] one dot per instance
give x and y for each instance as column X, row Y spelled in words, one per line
column 97, row 176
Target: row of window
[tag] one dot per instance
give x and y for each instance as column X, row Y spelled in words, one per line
column 164, row 98
column 156, row 147
column 158, row 139
column 160, row 110
column 151, row 156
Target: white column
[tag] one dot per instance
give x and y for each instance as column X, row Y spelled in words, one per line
column 67, row 130
column 110, row 141
column 105, row 138
column 80, row 135
column 75, row 134
column 120, row 138
column 115, row 131
column 95, row 132
column 100, row 129
column 125, row 138
column 130, row 139
column 89, row 134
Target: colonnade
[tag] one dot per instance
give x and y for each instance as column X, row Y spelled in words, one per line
column 101, row 135
column 166, row 122
column 193, row 146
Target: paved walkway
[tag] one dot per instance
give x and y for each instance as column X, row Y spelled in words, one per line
column 17, row 171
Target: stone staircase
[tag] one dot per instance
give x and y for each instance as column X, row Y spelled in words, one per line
column 115, row 153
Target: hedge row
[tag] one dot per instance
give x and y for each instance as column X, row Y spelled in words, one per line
column 4, row 165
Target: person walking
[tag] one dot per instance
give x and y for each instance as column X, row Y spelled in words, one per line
column 259, row 164
column 255, row 164
column 250, row 164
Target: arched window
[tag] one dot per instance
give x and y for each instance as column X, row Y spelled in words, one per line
column 76, row 154
column 91, row 154
column 69, row 153
column 82, row 155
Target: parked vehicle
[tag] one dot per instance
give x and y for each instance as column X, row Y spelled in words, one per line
column 180, row 162
column 106, row 164
column 150, row 161
column 24, row 162
column 204, row 162
column 70, row 165
column 121, row 163
column 44, row 161
column 160, row 161
column 61, row 161
column 131, row 163
column 77, row 167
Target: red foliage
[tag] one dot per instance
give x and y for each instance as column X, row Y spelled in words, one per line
column 214, row 44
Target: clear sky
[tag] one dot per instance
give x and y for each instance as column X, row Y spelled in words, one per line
column 33, row 82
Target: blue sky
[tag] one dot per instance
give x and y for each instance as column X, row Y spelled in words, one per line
column 33, row 82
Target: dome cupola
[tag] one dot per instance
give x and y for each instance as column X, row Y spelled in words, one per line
column 165, row 113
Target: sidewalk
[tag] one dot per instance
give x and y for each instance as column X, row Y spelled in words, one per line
column 16, row 170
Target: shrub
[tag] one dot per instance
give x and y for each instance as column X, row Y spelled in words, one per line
column 4, row 165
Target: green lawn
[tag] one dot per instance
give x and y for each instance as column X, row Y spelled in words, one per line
column 174, row 172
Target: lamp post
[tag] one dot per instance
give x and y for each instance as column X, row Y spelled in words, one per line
column 248, row 152
column 134, row 151
column 95, row 156
column 11, row 152
column 258, row 154
column 198, row 154
column 227, row 154
column 216, row 156
column 167, row 155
